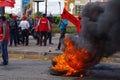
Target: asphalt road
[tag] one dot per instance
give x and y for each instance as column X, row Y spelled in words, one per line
column 33, row 63
column 31, row 69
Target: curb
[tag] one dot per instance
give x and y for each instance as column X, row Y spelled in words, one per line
column 30, row 56
column 34, row 53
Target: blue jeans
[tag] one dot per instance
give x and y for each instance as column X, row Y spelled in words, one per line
column 4, row 51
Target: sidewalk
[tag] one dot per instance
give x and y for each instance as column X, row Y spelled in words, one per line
column 33, row 50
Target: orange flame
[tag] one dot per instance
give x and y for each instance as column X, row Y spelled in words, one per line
column 73, row 60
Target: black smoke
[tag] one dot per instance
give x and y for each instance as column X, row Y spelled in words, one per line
column 100, row 31
column 100, row 35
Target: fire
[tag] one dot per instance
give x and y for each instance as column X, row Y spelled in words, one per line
column 73, row 60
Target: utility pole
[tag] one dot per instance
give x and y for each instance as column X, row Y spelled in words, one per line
column 37, row 6
column 37, row 1
column 46, row 7
column 60, row 6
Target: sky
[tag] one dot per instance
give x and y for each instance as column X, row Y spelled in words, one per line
column 53, row 7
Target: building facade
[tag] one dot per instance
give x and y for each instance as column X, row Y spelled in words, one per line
column 75, row 6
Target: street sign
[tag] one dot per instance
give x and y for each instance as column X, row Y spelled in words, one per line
column 38, row 0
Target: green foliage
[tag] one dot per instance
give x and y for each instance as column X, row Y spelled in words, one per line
column 55, row 30
column 56, row 19
column 39, row 14
column 6, row 16
column 70, row 30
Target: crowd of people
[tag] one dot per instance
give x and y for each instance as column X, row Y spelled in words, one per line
column 20, row 29
column 14, row 32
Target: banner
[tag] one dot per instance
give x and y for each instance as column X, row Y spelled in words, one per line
column 72, row 19
column 27, row 7
column 9, row 3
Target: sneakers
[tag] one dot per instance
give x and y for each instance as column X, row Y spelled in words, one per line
column 51, row 43
column 57, row 49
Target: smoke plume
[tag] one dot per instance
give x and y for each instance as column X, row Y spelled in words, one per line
column 100, row 28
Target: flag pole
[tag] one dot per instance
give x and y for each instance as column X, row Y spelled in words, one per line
column 60, row 6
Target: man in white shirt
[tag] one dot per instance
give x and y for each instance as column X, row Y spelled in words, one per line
column 24, row 25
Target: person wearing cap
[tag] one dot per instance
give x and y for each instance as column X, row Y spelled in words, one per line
column 24, row 25
column 43, row 28
column 13, row 29
column 4, row 38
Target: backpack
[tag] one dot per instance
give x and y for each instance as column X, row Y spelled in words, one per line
column 12, row 23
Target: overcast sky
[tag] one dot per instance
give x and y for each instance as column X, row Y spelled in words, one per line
column 53, row 7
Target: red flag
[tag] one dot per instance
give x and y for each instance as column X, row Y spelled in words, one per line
column 72, row 19
column 9, row 3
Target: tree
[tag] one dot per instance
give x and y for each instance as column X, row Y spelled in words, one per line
column 39, row 14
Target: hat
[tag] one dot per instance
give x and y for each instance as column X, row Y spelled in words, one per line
column 44, row 15
column 24, row 18
column 37, row 17
column 15, row 16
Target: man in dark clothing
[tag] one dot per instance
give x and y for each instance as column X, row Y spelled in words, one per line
column 13, row 30
column 50, row 32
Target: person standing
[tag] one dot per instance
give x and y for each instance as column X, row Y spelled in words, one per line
column 62, row 25
column 43, row 28
column 49, row 37
column 13, row 30
column 4, row 38
column 24, row 24
column 31, row 22
column 36, row 31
